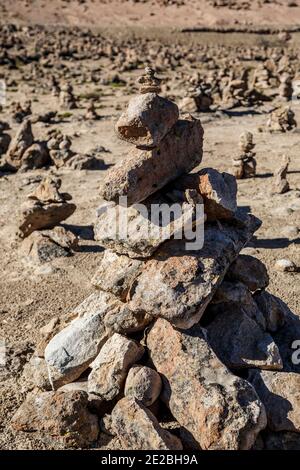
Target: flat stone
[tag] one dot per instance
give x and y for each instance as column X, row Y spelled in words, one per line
column 147, row 119
column 138, row 429
column 177, row 284
column 273, row 309
column 60, row 415
column 142, row 228
column 240, row 342
column 110, row 367
column 280, row 394
column 144, row 384
column 36, row 215
column 144, row 172
column 249, row 270
column 221, row 411
column 72, row 350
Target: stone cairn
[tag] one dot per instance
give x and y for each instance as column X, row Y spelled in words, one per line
column 280, row 182
column 282, row 119
column 40, row 215
column 244, row 165
column 166, row 326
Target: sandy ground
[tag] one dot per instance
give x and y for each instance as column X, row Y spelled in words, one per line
column 147, row 14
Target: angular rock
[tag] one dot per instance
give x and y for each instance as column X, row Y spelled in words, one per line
column 220, row 410
column 144, row 172
column 240, row 342
column 219, row 191
column 110, row 367
column 273, row 309
column 229, row 293
column 72, row 350
column 144, row 384
column 138, row 231
column 177, row 284
column 249, row 270
column 48, row 191
column 147, row 120
column 44, row 246
column 285, row 265
column 116, row 273
column 61, row 415
column 20, row 143
column 280, row 394
column 138, row 429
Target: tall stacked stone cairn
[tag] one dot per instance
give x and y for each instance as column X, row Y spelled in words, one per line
column 167, row 327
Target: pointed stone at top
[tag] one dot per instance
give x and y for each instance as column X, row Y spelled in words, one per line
column 148, row 82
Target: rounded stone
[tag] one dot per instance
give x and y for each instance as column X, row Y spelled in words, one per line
column 144, row 384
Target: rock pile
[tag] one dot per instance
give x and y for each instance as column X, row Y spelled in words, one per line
column 282, row 119
column 151, row 335
column 45, row 209
column 244, row 165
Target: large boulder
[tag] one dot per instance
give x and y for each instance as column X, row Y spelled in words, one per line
column 220, row 410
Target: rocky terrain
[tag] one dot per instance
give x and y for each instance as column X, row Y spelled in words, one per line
column 82, row 123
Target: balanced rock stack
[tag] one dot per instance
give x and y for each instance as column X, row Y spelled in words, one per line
column 244, row 165
column 151, row 335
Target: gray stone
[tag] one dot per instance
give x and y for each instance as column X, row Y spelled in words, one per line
column 147, row 119
column 273, row 309
column 280, row 394
column 249, row 270
column 144, row 384
column 240, row 342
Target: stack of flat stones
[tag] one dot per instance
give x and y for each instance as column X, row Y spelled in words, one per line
column 166, row 326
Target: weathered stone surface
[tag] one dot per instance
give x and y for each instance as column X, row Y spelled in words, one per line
column 60, row 415
column 220, row 410
column 43, row 246
column 45, row 208
column 147, row 119
column 138, row 429
column 280, row 394
column 287, row 339
column 249, row 270
column 142, row 229
column 177, row 284
column 229, row 293
column 110, row 367
column 240, row 342
column 36, row 216
column 116, row 273
column 71, row 351
column 144, row 384
column 20, row 143
column 218, row 190
column 273, row 309
column 144, row 172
